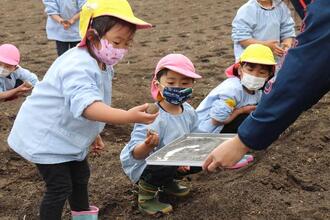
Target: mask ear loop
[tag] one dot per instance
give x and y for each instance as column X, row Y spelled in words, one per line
column 160, row 96
column 92, row 29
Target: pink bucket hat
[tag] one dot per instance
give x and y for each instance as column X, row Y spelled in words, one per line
column 9, row 54
column 177, row 63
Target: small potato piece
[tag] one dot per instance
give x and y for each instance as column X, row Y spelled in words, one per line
column 152, row 108
column 28, row 84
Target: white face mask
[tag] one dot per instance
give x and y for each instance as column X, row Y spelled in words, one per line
column 252, row 82
column 4, row 72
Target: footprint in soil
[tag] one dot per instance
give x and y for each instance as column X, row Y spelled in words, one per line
column 144, row 43
column 183, row 34
column 164, row 38
column 218, row 27
column 310, row 187
column 195, row 17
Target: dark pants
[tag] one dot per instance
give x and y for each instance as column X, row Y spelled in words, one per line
column 64, row 181
column 234, row 124
column 162, row 175
column 61, row 47
column 18, row 83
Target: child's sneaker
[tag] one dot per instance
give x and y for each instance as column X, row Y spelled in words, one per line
column 175, row 189
column 148, row 200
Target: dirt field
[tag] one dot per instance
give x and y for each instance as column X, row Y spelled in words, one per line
column 288, row 181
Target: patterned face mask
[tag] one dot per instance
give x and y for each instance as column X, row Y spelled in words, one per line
column 108, row 54
column 176, row 95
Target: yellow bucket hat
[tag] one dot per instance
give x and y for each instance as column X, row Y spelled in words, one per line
column 116, row 8
column 259, row 54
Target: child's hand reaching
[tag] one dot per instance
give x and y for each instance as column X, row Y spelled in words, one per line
column 23, row 89
column 243, row 110
column 152, row 139
column 183, row 169
column 138, row 114
column 97, row 146
column 275, row 46
column 142, row 150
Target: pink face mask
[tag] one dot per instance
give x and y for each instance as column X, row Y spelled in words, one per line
column 108, row 54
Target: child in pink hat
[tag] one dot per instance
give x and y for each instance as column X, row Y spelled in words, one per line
column 171, row 87
column 15, row 81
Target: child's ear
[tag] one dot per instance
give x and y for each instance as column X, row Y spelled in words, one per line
column 93, row 37
column 239, row 70
column 155, row 83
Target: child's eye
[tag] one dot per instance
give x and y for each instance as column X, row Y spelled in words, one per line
column 116, row 43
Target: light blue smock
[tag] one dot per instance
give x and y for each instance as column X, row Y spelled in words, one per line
column 215, row 104
column 8, row 83
column 169, row 127
column 49, row 127
column 66, row 9
column 254, row 21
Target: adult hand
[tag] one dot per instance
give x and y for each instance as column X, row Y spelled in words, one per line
column 138, row 114
column 225, row 155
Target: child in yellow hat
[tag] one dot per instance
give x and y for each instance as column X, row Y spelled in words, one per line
column 227, row 105
column 240, row 93
column 69, row 108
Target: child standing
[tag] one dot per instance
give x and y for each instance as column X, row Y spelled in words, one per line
column 63, row 23
column 69, row 108
column 171, row 86
column 227, row 105
column 15, row 81
column 266, row 22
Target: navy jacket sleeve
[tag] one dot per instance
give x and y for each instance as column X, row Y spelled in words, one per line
column 303, row 79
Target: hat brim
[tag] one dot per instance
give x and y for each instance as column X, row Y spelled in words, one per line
column 184, row 72
column 140, row 24
column 8, row 61
column 264, row 62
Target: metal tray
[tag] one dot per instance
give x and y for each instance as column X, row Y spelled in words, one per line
column 188, row 150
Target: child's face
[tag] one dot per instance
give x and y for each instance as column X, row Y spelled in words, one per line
column 10, row 68
column 119, row 36
column 256, row 70
column 174, row 79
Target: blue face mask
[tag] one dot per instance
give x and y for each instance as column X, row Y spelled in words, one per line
column 176, row 96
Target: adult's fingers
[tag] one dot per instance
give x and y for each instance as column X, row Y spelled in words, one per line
column 213, row 167
column 207, row 162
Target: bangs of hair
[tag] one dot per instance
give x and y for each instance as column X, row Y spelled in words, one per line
column 269, row 68
column 103, row 24
column 161, row 73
